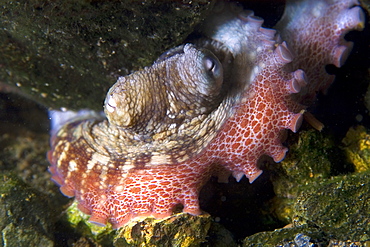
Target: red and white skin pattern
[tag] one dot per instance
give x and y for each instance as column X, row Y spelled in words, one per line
column 266, row 76
column 315, row 31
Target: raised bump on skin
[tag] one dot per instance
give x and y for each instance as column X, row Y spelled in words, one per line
column 269, row 43
column 297, row 82
column 255, row 21
column 111, row 104
column 245, row 14
column 296, row 122
column 279, row 154
column 268, row 32
column 284, row 53
column 98, row 219
column 83, row 209
column 238, row 175
column 67, row 191
column 253, row 176
column 357, row 17
column 301, row 78
column 52, row 169
column 192, row 209
column 341, row 53
column 56, row 179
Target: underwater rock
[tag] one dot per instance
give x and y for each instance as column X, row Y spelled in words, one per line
column 311, row 159
column 286, row 237
column 357, row 146
column 68, row 53
column 340, row 206
column 24, row 214
column 177, row 230
column 335, row 210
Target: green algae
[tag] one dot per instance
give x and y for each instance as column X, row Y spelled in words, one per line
column 24, row 214
column 78, row 221
column 357, row 147
column 340, row 206
column 283, row 237
column 336, row 208
column 314, row 199
column 68, row 53
column 181, row 230
column 310, row 160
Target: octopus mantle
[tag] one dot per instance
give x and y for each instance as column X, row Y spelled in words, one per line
column 210, row 107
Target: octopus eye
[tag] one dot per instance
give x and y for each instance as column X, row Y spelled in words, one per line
column 212, row 66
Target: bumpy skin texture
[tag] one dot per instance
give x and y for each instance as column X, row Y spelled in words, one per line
column 320, row 25
column 212, row 108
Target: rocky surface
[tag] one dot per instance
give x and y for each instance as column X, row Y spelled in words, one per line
column 68, row 53
column 26, row 216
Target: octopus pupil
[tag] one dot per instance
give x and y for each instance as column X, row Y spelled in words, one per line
column 210, row 64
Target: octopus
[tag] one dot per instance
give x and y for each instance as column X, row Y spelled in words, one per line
column 210, row 107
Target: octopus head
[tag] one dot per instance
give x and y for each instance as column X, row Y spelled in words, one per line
column 182, row 84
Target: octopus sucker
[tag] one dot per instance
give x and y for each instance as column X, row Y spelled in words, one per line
column 298, row 81
column 210, row 107
column 315, row 31
column 66, row 190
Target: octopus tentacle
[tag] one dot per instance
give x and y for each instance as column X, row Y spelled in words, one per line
column 263, row 110
column 315, row 30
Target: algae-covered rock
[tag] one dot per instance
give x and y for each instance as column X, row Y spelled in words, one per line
column 340, row 206
column 78, row 221
column 302, row 236
column 30, row 203
column 294, row 236
column 25, row 218
column 68, row 53
column 308, row 157
column 180, row 229
column 309, row 161
column 334, row 210
column 357, row 146
column 325, row 207
column 24, row 141
column 348, row 243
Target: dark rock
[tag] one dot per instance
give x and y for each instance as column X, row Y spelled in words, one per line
column 340, row 206
column 25, row 214
column 68, row 53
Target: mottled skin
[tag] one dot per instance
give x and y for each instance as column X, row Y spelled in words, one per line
column 129, row 164
column 321, row 27
column 262, row 111
column 212, row 108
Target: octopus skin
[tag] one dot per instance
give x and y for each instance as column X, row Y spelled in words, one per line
column 321, row 27
column 210, row 107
